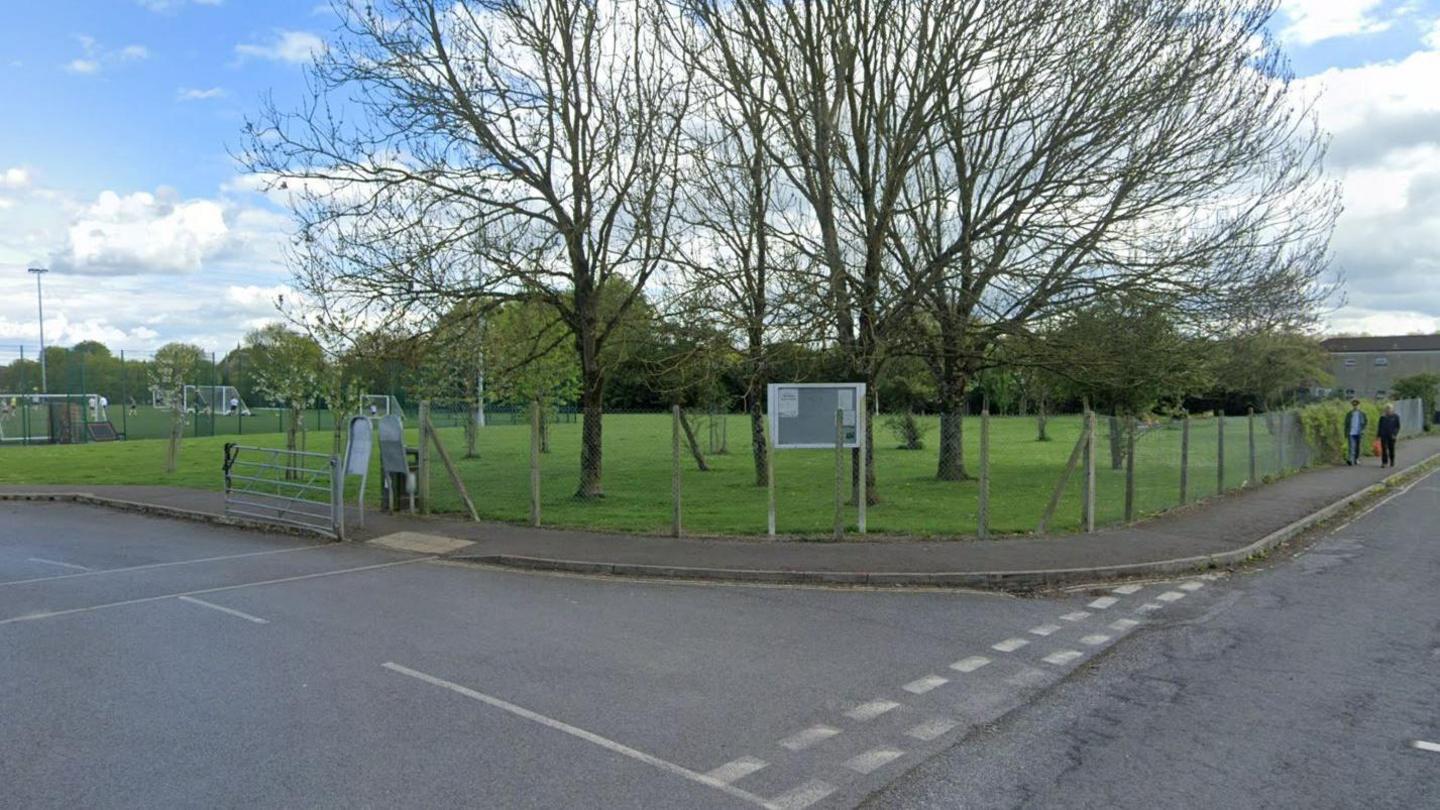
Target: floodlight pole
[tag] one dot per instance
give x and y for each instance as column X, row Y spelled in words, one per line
column 40, row 301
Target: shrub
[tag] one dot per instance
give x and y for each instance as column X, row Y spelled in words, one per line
column 907, row 430
column 1324, row 426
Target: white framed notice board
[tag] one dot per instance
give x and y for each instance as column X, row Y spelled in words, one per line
column 802, row 415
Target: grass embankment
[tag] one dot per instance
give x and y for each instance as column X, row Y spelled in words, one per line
column 725, row 500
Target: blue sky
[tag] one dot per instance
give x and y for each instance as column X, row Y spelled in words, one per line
column 120, row 116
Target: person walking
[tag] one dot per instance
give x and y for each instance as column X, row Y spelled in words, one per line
column 1355, row 422
column 1388, row 429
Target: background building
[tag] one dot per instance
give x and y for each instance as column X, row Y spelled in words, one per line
column 1369, row 366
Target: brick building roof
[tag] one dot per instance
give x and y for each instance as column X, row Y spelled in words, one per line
column 1395, row 343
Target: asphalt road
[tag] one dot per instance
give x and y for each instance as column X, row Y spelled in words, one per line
column 151, row 663
column 1313, row 684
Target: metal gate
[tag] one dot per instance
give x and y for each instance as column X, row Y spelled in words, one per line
column 289, row 487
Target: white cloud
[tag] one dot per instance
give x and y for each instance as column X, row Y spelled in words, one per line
column 1385, row 122
column 1311, row 21
column 196, row 94
column 93, row 57
column 296, row 47
column 1431, row 38
column 142, row 233
column 14, row 178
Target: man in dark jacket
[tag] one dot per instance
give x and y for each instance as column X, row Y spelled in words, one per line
column 1388, row 429
column 1354, row 426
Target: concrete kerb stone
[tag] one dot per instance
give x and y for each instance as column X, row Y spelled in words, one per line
column 1013, row 581
column 160, row 510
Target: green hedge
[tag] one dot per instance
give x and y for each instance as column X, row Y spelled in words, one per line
column 1324, row 425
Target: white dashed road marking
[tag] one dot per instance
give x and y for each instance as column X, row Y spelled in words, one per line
column 737, row 769
column 1421, row 745
column 1126, row 590
column 873, row 760
column 71, row 566
column 810, row 736
column 970, row 664
column 1009, row 645
column 1171, row 596
column 1076, row 616
column 1124, row 624
column 1063, row 657
column 590, row 737
column 1149, row 607
column 925, row 684
column 1094, row 640
column 869, row 711
column 932, row 729
column 1193, row 585
column 801, row 797
column 1103, row 602
column 233, row 612
column 1044, row 629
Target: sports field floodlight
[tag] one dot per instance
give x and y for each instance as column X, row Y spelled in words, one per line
column 40, row 300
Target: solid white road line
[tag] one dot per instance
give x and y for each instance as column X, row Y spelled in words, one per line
column 71, row 566
column 970, row 664
column 1421, row 745
column 1122, row 625
column 869, row 711
column 574, row 731
column 128, row 569
column 1126, row 590
column 932, row 729
column 873, row 760
column 1044, row 629
column 1009, row 645
column 810, row 736
column 925, row 684
column 1171, row 596
column 1192, row 585
column 143, row 600
column 737, row 769
column 801, row 797
column 233, row 612
column 1062, row 657
column 1076, row 616
column 1103, row 602
column 1094, row 640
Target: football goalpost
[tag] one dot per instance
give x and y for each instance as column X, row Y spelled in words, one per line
column 56, row 418
column 223, row 400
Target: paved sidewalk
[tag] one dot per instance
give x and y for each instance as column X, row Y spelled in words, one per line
column 1222, row 526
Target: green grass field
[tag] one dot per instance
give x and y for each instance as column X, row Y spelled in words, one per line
column 725, row 500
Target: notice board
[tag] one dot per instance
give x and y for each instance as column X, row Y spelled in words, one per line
column 802, row 415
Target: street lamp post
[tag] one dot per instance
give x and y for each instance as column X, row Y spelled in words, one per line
column 40, row 302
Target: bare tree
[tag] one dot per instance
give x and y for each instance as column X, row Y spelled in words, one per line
column 458, row 151
column 1092, row 149
column 853, row 87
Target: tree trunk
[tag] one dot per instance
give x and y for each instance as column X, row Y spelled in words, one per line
column 1041, row 418
column 758, row 448
column 544, row 429
column 592, row 410
column 472, row 431
column 871, row 497
column 177, row 429
column 1117, row 447
column 952, row 434
column 694, row 445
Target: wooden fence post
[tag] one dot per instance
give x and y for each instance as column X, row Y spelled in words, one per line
column 1061, row 484
column 422, row 466
column 983, row 526
column 1130, row 469
column 535, row 463
column 675, row 471
column 839, row 474
column 770, row 477
column 1220, row 452
column 1184, row 458
column 1254, row 479
column 1088, row 507
column 862, row 419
